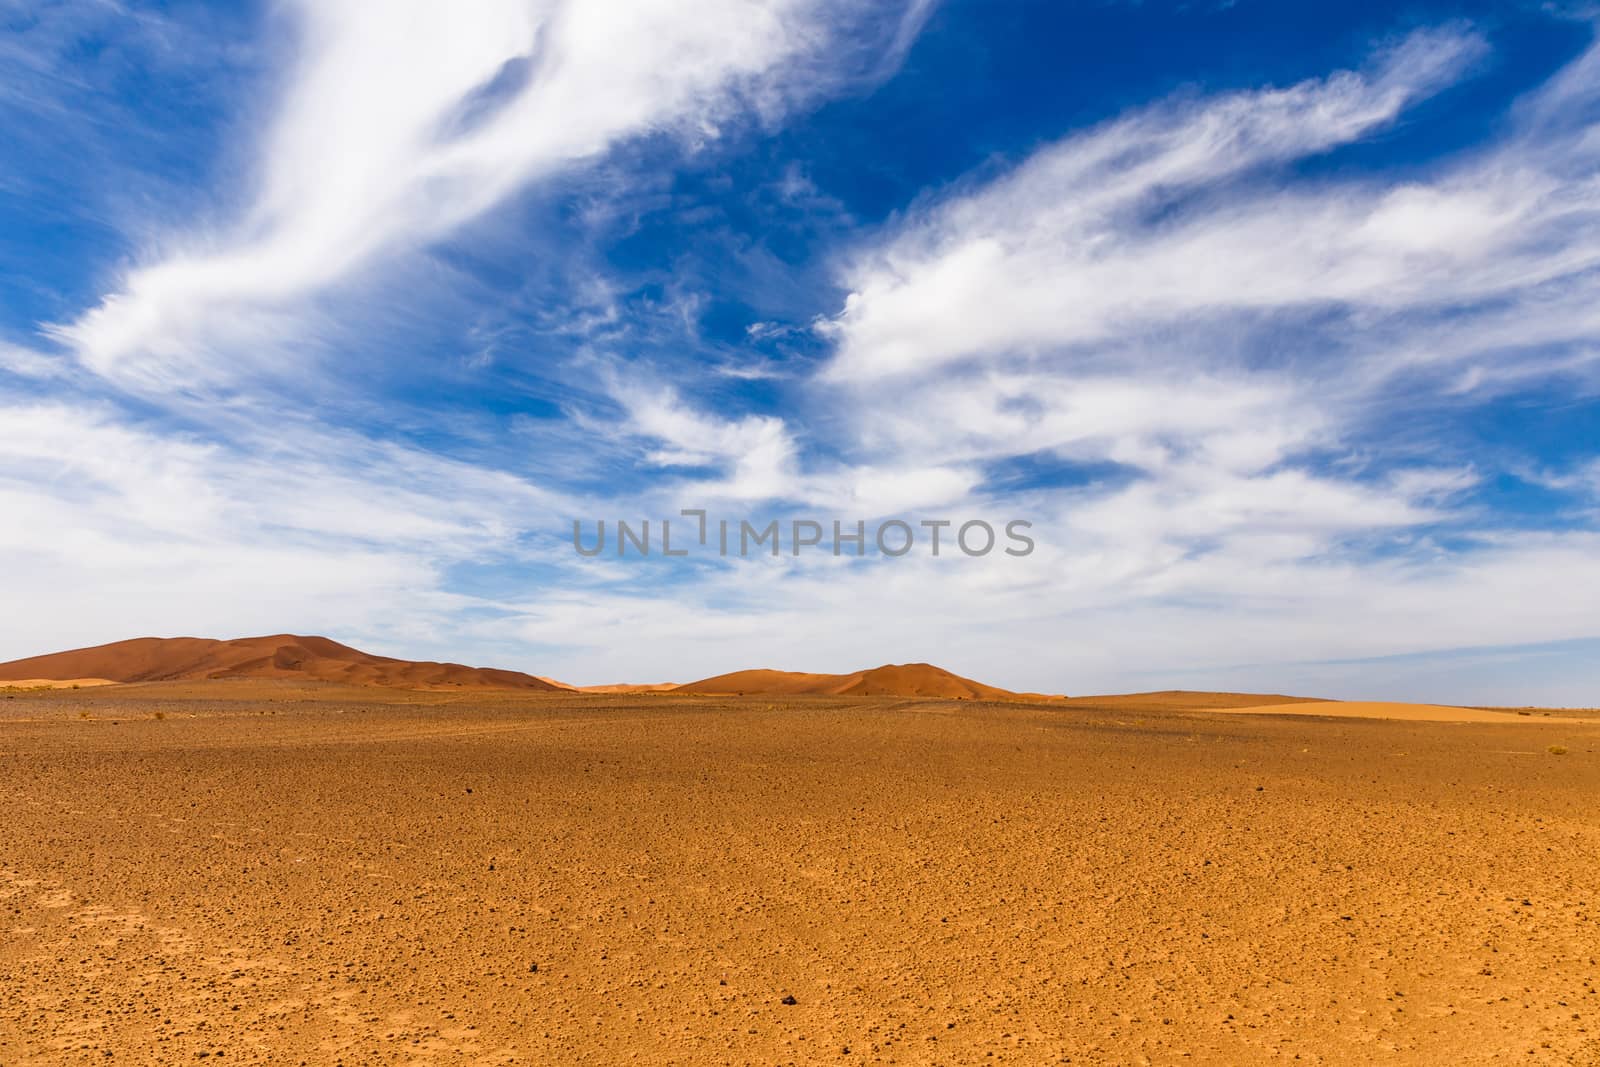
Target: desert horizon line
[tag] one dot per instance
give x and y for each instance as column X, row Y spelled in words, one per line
column 324, row 658
column 310, row 657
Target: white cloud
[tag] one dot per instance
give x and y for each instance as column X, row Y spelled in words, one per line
column 1145, row 293
column 1061, row 251
column 756, row 455
column 756, row 459
column 1157, row 245
column 28, row 363
column 404, row 120
column 111, row 530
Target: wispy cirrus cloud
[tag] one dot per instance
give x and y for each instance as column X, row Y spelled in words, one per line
column 1160, row 293
column 402, row 122
column 111, row 527
column 1131, row 222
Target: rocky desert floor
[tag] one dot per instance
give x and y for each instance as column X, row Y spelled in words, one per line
column 261, row 873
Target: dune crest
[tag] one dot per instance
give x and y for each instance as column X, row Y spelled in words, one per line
column 156, row 659
column 891, row 680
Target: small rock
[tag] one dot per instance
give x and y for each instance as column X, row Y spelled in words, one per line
column 789, row 1000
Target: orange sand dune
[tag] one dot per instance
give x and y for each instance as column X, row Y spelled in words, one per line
column 893, row 680
column 626, row 687
column 153, row 659
column 555, row 684
column 613, row 688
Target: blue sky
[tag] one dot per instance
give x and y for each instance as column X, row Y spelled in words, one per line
column 1278, row 322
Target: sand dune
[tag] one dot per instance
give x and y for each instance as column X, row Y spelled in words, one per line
column 892, row 680
column 627, row 687
column 319, row 659
column 556, row 684
column 151, row 659
column 613, row 688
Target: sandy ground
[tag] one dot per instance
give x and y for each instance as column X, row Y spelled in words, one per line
column 1367, row 709
column 52, row 683
column 285, row 874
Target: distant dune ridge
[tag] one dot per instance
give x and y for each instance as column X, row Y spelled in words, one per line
column 892, row 680
column 615, row 687
column 156, row 659
column 287, row 657
column 627, row 687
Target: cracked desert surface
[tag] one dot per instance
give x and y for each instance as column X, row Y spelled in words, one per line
column 266, row 873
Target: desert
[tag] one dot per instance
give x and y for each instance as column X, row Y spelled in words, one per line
column 284, row 869
column 799, row 532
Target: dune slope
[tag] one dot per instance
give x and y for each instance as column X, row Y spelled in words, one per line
column 893, row 680
column 155, row 659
